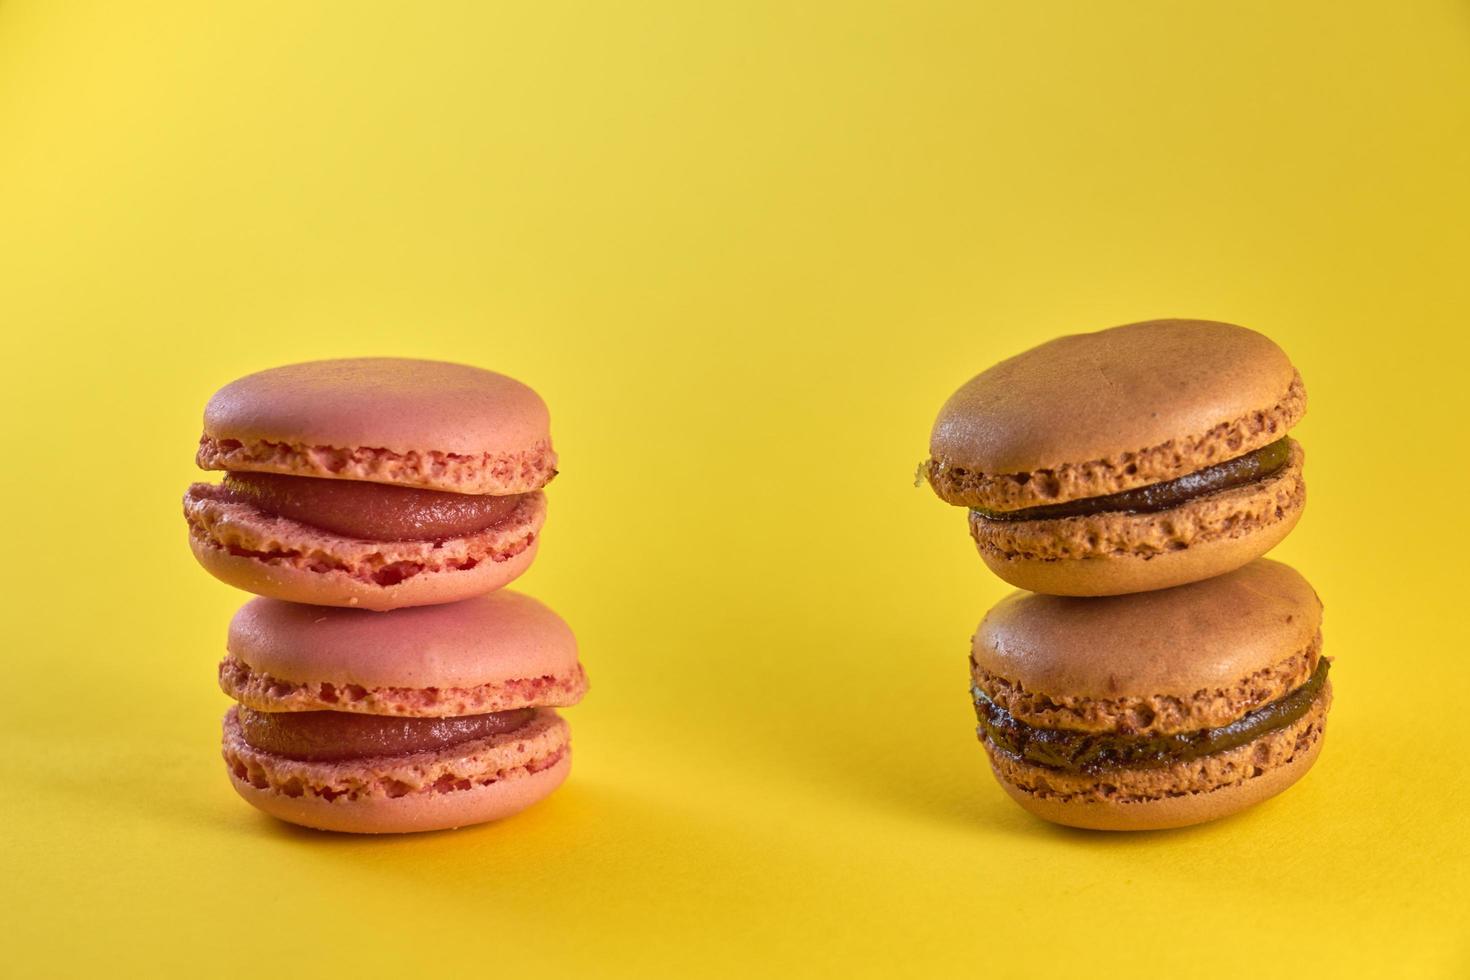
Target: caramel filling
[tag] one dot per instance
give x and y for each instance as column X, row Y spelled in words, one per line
column 370, row 511
column 335, row 736
column 1090, row 752
column 1235, row 472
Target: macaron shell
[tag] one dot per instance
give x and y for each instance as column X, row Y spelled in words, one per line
column 398, row 404
column 1206, row 636
column 501, row 642
column 1116, row 553
column 1169, row 812
column 316, row 567
column 1115, row 575
column 339, row 589
column 412, row 814
column 1088, row 396
column 422, row 791
column 956, row 482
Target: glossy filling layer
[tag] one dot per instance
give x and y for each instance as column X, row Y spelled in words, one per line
column 371, row 511
column 1090, row 752
column 1235, row 472
column 336, row 736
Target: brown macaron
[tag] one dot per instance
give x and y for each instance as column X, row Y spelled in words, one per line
column 1140, row 457
column 1161, row 709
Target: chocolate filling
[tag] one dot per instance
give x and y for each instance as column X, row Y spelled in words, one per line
column 1091, row 752
column 1235, row 472
column 370, row 511
column 335, row 736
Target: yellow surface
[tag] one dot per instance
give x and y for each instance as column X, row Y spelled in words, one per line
column 745, row 251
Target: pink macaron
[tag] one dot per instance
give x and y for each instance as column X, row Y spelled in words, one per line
column 376, row 483
column 427, row 718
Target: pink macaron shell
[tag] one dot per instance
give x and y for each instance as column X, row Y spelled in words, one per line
column 487, row 639
column 495, row 652
column 337, row 589
column 412, row 814
column 394, row 420
column 394, row 403
column 285, row 559
column 465, row 784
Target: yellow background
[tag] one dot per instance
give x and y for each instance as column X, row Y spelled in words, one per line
column 745, row 251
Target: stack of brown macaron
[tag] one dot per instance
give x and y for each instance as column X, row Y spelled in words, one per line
column 1157, row 671
column 377, row 506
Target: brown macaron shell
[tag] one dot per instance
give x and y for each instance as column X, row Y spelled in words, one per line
column 1196, row 657
column 1116, row 553
column 1171, row 812
column 1098, row 413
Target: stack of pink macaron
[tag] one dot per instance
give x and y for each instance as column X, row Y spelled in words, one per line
column 385, row 680
column 1156, row 670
